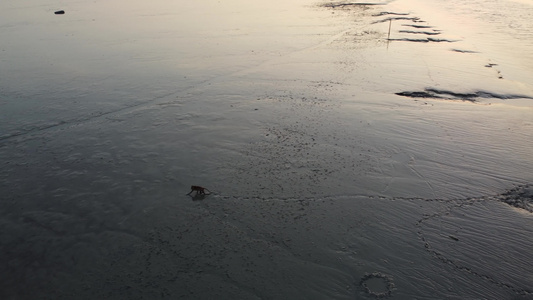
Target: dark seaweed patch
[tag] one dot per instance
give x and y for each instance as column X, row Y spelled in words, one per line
column 418, row 95
column 385, row 13
column 335, row 5
column 419, row 32
column 449, row 95
column 417, row 26
column 414, row 19
column 426, row 40
column 464, row 51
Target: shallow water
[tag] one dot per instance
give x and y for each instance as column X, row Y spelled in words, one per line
column 343, row 165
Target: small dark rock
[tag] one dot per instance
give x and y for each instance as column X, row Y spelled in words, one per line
column 60, row 12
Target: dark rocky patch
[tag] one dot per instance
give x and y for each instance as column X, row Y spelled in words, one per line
column 520, row 197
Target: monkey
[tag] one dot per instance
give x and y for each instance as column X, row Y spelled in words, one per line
column 199, row 190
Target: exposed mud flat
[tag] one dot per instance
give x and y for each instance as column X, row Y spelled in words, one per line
column 328, row 182
column 259, row 248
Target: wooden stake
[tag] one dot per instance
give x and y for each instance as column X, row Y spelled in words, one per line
column 390, row 24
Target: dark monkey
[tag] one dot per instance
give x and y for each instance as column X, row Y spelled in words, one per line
column 199, row 190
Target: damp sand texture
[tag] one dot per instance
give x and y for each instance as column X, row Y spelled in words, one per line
column 344, row 163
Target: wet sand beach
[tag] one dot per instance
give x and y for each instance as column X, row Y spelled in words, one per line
column 345, row 161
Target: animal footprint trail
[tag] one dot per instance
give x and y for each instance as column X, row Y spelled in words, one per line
column 458, row 236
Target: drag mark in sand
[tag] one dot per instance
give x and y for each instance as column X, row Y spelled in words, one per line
column 37, row 129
